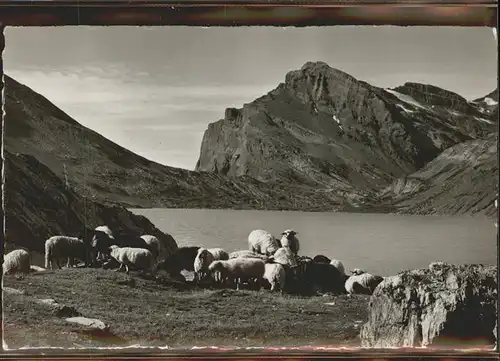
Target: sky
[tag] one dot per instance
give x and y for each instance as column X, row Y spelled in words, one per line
column 154, row 90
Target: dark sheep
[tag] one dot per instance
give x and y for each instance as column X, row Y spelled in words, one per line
column 321, row 259
column 181, row 259
column 313, row 277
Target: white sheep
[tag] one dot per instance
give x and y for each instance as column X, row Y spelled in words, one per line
column 105, row 229
column 275, row 274
column 219, row 254
column 288, row 239
column 17, row 261
column 57, row 247
column 284, row 256
column 361, row 282
column 155, row 243
column 247, row 254
column 338, row 265
column 138, row 258
column 202, row 260
column 262, row 242
column 239, row 269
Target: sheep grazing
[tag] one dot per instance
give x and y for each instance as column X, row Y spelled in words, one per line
column 219, row 254
column 155, row 244
column 201, row 262
column 321, row 259
column 338, row 265
column 70, row 248
column 275, row 274
column 102, row 240
column 17, row 261
column 288, row 239
column 106, row 230
column 263, row 242
column 181, row 259
column 239, row 270
column 138, row 258
column 284, row 256
column 361, row 282
column 247, row 254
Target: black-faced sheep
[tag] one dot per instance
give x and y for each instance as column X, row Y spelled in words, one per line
column 201, row 263
column 361, row 282
column 17, row 261
column 263, row 242
column 247, row 254
column 69, row 248
column 239, row 270
column 137, row 258
column 290, row 240
column 276, row 276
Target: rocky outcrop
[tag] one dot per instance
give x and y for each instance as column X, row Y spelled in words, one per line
column 443, row 306
column 99, row 170
column 325, row 129
column 38, row 205
column 461, row 180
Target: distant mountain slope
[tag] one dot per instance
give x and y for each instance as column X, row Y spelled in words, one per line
column 38, row 205
column 325, row 129
column 110, row 174
column 461, row 180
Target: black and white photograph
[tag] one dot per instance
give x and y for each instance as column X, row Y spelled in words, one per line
column 278, row 188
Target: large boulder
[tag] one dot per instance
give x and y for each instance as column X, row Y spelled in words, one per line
column 443, row 306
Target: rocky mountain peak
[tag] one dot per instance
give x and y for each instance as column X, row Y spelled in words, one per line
column 433, row 95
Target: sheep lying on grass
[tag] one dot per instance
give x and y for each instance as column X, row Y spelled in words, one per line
column 201, row 262
column 263, row 242
column 361, row 282
column 70, row 248
column 288, row 239
column 17, row 261
column 247, row 254
column 239, row 270
column 138, row 258
column 275, row 274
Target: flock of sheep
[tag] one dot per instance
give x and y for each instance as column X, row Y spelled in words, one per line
column 268, row 262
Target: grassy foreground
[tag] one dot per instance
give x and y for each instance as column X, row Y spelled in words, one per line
column 152, row 314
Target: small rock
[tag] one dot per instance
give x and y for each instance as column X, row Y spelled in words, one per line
column 13, row 291
column 47, row 301
column 330, row 303
column 89, row 322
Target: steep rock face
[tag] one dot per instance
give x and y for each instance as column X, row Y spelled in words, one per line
column 102, row 171
column 324, row 128
column 443, row 306
column 461, row 180
column 488, row 104
column 39, row 205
